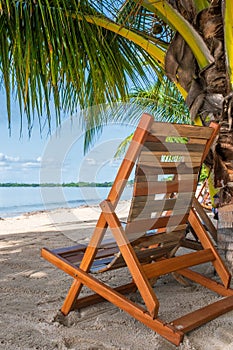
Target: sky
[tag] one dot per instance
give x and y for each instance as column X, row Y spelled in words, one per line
column 58, row 157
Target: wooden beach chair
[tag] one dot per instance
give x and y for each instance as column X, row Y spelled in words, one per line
column 166, row 176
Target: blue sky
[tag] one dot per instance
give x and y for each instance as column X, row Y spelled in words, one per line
column 24, row 159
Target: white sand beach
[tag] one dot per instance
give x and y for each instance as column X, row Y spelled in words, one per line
column 32, row 291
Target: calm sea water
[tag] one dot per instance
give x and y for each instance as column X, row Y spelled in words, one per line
column 18, row 200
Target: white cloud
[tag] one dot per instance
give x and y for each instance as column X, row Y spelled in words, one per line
column 13, row 159
column 8, row 159
column 17, row 163
column 90, row 161
column 31, row 165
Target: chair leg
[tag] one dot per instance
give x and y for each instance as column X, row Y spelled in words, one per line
column 85, row 265
column 71, row 297
column 131, row 259
column 207, row 243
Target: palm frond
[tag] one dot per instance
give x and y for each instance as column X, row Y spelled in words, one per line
column 122, row 146
column 162, row 100
column 131, row 14
column 49, row 52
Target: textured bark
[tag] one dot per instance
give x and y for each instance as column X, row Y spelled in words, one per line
column 225, row 233
column 209, row 94
column 180, row 64
column 210, row 97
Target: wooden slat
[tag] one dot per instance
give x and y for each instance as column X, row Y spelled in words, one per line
column 165, row 179
column 148, row 255
column 152, row 178
column 193, row 140
column 135, row 236
column 173, row 147
column 168, row 168
column 71, row 249
column 163, row 267
column 203, row 315
column 153, row 200
column 150, row 208
column 156, row 139
column 116, row 263
column 147, row 240
column 160, row 204
column 97, row 263
column 147, row 155
column 179, row 130
column 182, row 177
column 165, row 184
column 191, row 244
column 175, row 139
column 150, row 224
column 169, row 228
column 74, row 258
column 144, row 189
column 193, row 159
column 205, row 219
column 144, row 256
column 145, row 252
column 147, row 215
column 101, row 254
column 96, row 298
column 206, row 282
column 161, row 158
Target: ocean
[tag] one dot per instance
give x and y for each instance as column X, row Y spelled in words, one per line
column 15, row 201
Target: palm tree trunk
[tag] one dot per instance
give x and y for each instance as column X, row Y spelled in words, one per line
column 210, row 96
column 225, row 234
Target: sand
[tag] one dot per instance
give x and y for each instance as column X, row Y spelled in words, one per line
column 32, row 291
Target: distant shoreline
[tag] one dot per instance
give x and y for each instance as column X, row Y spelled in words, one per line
column 69, row 184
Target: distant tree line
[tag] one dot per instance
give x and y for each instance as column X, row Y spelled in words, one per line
column 69, row 184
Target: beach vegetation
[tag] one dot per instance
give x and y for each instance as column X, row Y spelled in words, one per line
column 68, row 184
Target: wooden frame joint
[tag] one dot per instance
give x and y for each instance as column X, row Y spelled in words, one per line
column 107, row 207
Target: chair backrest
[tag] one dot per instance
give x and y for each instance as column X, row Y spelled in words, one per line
column 166, row 178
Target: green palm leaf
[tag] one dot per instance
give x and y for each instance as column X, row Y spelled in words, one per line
column 50, row 53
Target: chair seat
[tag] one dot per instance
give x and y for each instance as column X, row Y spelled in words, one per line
column 147, row 248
